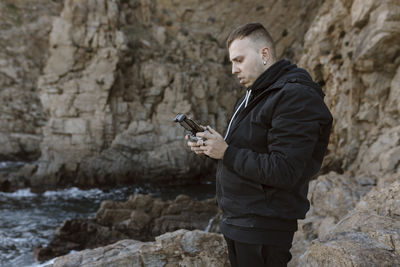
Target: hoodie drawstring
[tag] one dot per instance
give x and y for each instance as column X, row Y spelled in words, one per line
column 247, row 97
column 245, row 100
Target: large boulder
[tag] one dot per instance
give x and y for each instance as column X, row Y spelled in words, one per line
column 179, row 248
column 332, row 197
column 367, row 236
column 141, row 218
column 360, row 239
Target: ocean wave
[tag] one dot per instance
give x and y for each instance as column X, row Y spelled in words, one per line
column 42, row 264
column 73, row 192
column 70, row 193
column 22, row 193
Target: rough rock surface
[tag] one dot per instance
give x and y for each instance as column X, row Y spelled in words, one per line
column 123, row 69
column 179, row 248
column 109, row 101
column 352, row 48
column 113, row 74
column 23, row 52
column 368, row 236
column 119, row 72
column 141, row 218
column 332, row 197
column 335, row 197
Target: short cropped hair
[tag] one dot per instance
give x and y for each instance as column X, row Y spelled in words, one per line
column 256, row 31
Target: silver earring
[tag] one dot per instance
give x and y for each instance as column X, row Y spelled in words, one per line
column 265, row 62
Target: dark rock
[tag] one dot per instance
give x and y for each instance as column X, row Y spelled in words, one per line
column 141, row 218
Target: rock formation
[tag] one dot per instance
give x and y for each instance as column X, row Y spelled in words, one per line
column 179, row 248
column 99, row 89
column 368, row 236
column 119, row 71
column 352, row 48
column 23, row 53
column 141, row 217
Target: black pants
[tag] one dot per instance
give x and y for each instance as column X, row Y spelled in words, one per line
column 246, row 255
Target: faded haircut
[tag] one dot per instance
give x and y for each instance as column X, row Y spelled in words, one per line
column 256, row 32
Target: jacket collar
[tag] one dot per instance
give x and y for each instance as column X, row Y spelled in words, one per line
column 271, row 79
column 271, row 75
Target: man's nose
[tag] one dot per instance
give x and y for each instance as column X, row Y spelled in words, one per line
column 235, row 69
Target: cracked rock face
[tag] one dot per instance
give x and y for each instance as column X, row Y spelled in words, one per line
column 118, row 72
column 24, row 49
column 367, row 236
column 97, row 84
column 352, row 48
column 179, row 248
column 112, row 91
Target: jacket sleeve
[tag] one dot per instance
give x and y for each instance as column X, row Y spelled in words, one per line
column 293, row 134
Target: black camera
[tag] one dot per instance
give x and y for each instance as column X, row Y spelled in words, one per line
column 190, row 126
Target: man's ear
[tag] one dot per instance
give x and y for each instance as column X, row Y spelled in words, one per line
column 266, row 53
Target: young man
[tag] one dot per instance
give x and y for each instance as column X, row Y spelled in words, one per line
column 274, row 145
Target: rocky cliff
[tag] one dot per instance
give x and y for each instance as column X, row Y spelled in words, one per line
column 352, row 47
column 24, row 48
column 118, row 72
column 111, row 75
column 91, row 88
column 98, row 85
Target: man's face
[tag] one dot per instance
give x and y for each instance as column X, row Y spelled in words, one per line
column 247, row 63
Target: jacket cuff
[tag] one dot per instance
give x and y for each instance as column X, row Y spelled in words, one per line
column 229, row 156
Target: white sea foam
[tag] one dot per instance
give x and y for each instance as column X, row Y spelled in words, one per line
column 30, row 219
column 65, row 194
column 73, row 192
column 50, row 261
column 42, row 264
column 22, row 193
column 69, row 193
column 9, row 242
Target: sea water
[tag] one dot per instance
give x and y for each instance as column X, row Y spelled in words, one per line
column 28, row 220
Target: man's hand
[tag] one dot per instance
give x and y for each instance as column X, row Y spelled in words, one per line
column 195, row 147
column 214, row 146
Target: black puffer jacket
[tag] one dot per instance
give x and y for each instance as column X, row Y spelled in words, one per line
column 276, row 144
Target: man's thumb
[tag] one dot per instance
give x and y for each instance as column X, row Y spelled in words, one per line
column 211, row 130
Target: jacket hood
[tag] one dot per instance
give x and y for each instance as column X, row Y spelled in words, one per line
column 280, row 72
column 275, row 77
